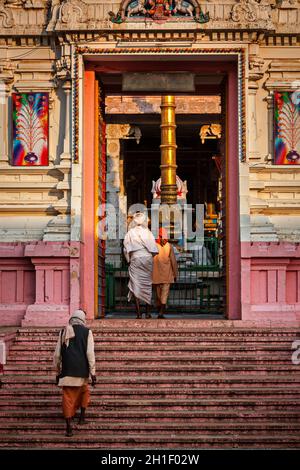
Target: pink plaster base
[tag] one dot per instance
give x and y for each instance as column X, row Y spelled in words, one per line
column 12, row 315
column 270, row 281
column 39, row 283
column 46, row 315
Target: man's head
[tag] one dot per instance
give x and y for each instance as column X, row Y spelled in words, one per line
column 78, row 316
column 139, row 218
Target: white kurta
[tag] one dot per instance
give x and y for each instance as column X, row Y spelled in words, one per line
column 139, row 248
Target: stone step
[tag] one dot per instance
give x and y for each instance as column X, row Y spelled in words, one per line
column 115, row 361
column 152, row 427
column 172, row 325
column 260, row 348
column 158, row 369
column 100, row 392
column 12, row 380
column 163, row 415
column 212, row 403
column 166, row 338
column 117, row 440
column 159, row 385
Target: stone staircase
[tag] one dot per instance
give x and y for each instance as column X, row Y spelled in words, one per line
column 161, row 384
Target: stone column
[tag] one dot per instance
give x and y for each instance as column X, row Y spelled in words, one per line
column 255, row 74
column 270, row 107
column 4, row 92
column 66, row 155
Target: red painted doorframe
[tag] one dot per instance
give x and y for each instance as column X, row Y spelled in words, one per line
column 233, row 254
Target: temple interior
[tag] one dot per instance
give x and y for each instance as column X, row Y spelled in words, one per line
column 199, row 165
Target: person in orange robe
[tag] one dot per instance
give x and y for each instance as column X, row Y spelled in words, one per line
column 165, row 271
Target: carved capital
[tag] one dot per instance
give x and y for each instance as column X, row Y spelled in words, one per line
column 6, row 71
column 63, row 68
column 117, row 131
column 256, row 71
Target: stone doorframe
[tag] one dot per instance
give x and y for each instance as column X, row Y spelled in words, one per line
column 84, row 144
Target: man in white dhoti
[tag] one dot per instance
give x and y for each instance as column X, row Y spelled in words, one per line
column 139, row 249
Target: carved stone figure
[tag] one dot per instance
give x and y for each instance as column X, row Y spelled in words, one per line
column 139, row 8
column 179, row 7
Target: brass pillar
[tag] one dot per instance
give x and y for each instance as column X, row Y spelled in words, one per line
column 168, row 151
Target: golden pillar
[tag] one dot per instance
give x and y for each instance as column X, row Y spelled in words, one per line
column 168, row 151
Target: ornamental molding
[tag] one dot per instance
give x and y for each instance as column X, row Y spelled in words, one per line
column 35, row 17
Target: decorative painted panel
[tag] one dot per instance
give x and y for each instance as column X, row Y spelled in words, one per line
column 30, row 129
column 287, row 128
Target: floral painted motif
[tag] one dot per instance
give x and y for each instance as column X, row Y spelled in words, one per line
column 287, row 128
column 30, row 129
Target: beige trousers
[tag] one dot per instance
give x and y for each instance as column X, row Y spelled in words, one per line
column 162, row 293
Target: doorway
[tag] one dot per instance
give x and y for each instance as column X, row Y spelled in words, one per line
column 229, row 200
column 200, row 287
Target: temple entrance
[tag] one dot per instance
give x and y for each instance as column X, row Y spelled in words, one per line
column 124, row 140
column 200, row 287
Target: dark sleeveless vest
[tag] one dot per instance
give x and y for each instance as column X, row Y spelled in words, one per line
column 74, row 358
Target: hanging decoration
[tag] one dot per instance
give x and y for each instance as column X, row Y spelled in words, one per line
column 287, row 128
column 30, row 129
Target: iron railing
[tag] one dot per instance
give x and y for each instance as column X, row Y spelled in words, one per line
column 199, row 287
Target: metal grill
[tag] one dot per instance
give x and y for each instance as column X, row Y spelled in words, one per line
column 198, row 289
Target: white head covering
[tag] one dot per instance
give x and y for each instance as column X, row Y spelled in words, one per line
column 78, row 318
column 138, row 219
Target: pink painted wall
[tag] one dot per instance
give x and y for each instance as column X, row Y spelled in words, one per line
column 270, row 281
column 36, row 282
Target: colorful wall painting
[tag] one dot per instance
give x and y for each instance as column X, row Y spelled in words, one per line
column 30, row 129
column 287, row 128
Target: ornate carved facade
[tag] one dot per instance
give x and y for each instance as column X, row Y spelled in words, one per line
column 42, row 48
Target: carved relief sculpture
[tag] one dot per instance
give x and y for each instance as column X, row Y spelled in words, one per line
column 158, row 10
column 252, row 11
column 67, row 12
column 6, row 17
